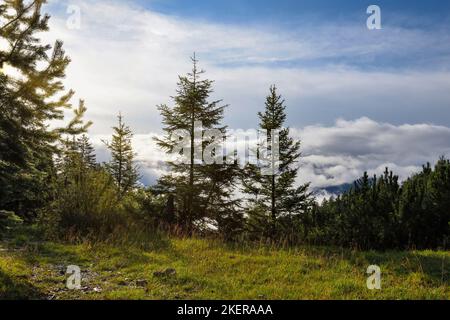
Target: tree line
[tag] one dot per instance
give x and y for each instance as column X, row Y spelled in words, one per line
column 50, row 177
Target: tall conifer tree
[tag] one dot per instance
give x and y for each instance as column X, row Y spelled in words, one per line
column 190, row 180
column 273, row 198
column 87, row 151
column 32, row 94
column 122, row 166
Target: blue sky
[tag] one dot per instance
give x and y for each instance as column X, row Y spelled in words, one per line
column 418, row 20
column 355, row 96
column 292, row 11
column 299, row 15
column 403, row 67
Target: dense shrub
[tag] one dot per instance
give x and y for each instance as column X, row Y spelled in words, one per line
column 8, row 220
column 380, row 213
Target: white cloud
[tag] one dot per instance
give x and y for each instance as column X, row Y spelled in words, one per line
column 334, row 155
column 128, row 58
column 341, row 153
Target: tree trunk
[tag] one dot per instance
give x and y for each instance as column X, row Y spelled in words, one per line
column 273, row 210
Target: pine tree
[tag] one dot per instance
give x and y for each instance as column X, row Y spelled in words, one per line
column 424, row 207
column 86, row 151
column 121, row 166
column 28, row 102
column 273, row 198
column 221, row 204
column 85, row 202
column 187, row 181
column 21, row 22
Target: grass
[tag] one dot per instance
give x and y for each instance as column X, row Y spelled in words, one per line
column 207, row 269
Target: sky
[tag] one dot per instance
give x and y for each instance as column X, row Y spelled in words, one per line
column 359, row 99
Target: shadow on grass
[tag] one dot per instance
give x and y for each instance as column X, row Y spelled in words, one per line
column 13, row 288
column 29, row 241
column 433, row 264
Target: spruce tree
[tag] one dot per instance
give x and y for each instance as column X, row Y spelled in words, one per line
column 121, row 166
column 274, row 200
column 86, row 151
column 190, row 180
column 221, row 204
column 31, row 97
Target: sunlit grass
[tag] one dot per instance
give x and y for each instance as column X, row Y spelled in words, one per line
column 207, row 269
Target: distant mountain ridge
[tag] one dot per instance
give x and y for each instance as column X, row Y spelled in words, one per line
column 339, row 189
column 331, row 191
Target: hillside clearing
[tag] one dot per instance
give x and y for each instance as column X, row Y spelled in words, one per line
column 202, row 269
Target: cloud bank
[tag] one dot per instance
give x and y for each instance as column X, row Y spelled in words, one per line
column 341, row 153
column 128, row 58
column 333, row 155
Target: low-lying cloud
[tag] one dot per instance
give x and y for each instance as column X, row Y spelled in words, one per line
column 333, row 155
column 128, row 58
column 341, row 153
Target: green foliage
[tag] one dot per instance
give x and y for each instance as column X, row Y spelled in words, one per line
column 380, row 213
column 155, row 209
column 199, row 190
column 425, row 207
column 8, row 220
column 86, row 202
column 86, row 151
column 273, row 199
column 367, row 215
column 53, row 170
column 121, row 166
column 30, row 97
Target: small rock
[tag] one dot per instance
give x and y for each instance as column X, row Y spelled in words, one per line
column 123, row 283
column 170, row 272
column 165, row 273
column 60, row 269
column 141, row 283
column 97, row 289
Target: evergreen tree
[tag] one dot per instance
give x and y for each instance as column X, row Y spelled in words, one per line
column 85, row 202
column 122, row 166
column 190, row 180
column 86, row 150
column 366, row 215
column 424, row 207
column 274, row 197
column 31, row 96
column 222, row 206
column 439, row 197
column 379, row 213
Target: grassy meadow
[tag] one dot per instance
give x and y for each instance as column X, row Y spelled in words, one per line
column 206, row 269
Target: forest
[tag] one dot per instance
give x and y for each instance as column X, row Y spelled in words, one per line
column 50, row 178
